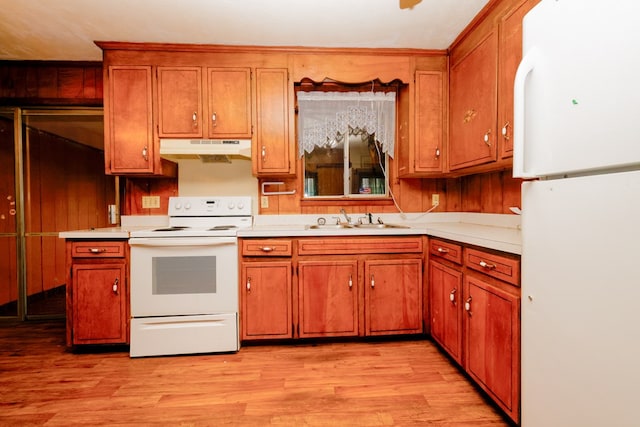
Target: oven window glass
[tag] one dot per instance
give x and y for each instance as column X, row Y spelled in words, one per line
column 184, row 275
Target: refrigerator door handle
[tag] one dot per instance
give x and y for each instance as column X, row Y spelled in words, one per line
column 528, row 63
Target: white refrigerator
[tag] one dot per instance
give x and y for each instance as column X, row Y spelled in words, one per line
column 577, row 144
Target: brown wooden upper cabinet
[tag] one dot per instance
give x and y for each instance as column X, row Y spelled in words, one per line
column 483, row 67
column 129, row 142
column 179, row 94
column 425, row 155
column 229, row 102
column 273, row 145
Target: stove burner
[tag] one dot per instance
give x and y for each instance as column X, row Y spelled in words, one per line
column 174, row 228
column 223, row 227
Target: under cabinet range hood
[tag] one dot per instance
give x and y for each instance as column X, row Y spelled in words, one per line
column 205, row 149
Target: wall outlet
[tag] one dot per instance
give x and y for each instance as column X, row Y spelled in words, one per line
column 435, row 199
column 150, row 202
column 264, row 202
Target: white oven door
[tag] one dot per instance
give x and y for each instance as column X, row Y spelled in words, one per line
column 183, row 276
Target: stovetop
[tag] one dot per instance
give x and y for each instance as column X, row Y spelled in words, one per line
column 203, row 217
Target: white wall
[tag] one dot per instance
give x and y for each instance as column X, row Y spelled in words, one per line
column 198, row 178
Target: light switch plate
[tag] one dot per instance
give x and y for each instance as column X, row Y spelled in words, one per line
column 150, row 202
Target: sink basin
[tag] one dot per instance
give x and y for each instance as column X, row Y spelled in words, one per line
column 380, row 226
column 328, row 226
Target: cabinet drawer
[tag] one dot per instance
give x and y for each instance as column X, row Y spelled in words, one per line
column 351, row 246
column 445, row 250
column 498, row 266
column 98, row 249
column 266, row 247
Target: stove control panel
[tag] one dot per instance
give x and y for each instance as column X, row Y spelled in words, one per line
column 210, row 206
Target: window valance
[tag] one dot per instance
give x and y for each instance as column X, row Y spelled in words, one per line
column 325, row 118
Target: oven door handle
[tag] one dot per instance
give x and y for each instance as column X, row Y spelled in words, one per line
column 185, row 241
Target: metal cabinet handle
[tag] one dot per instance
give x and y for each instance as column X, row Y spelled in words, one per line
column 214, row 118
column 264, row 153
column 483, row 264
column 145, row 153
column 350, row 281
column 97, row 250
column 266, row 249
column 248, row 284
column 437, row 152
column 452, row 296
column 115, row 286
column 194, row 117
column 486, row 138
column 505, row 131
column 467, row 305
column 373, row 282
column 443, row 251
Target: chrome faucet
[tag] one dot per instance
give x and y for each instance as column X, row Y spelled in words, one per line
column 346, row 217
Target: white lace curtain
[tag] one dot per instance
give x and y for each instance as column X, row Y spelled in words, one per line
column 325, row 118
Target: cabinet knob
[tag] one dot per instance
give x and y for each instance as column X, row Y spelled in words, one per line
column 115, row 286
column 248, row 284
column 486, row 265
column 467, row 305
column 145, row 153
column 505, row 131
column 452, row 296
column 486, row 138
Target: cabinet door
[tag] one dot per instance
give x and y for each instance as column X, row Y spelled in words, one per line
column 510, row 55
column 393, row 295
column 266, row 300
column 473, row 107
column 129, row 146
column 229, row 95
column 179, row 102
column 430, row 91
column 273, row 148
column 445, row 288
column 99, row 303
column 493, row 341
column 328, row 298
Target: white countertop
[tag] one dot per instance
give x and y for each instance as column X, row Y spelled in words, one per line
column 493, row 231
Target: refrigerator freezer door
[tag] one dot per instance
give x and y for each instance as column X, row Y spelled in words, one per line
column 576, row 90
column 580, row 301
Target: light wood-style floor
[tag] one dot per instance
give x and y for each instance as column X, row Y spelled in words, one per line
column 399, row 383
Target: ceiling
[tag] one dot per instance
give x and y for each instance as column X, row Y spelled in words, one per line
column 67, row 29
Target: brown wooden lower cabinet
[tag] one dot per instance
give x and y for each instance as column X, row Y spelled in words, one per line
column 474, row 299
column 97, row 292
column 336, row 287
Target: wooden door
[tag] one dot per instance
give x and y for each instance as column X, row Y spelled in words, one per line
column 266, row 300
column 129, row 141
column 99, row 303
column 493, row 341
column 473, row 105
column 445, row 288
column 393, row 295
column 510, row 55
column 328, row 298
column 274, row 151
column 229, row 102
column 430, row 121
column 179, row 102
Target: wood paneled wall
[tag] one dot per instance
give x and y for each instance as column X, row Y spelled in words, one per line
column 47, row 83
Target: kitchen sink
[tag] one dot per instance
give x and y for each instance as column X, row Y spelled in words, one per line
column 328, row 226
column 373, row 225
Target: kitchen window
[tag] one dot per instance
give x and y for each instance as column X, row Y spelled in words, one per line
column 346, row 139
